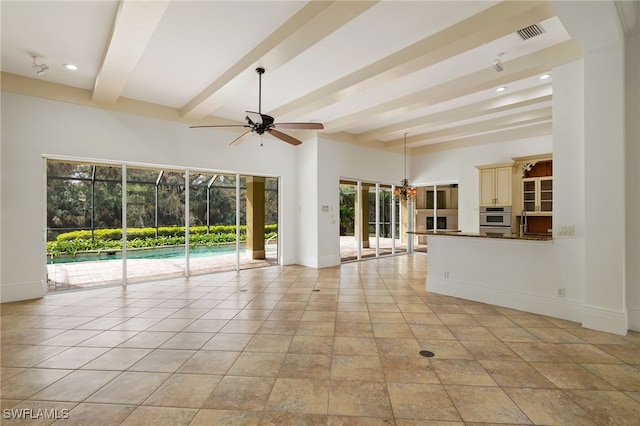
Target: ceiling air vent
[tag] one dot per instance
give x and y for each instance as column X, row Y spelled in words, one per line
column 530, row 31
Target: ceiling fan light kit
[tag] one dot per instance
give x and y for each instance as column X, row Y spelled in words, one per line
column 259, row 123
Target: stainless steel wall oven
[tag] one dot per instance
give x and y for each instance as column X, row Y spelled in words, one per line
column 495, row 221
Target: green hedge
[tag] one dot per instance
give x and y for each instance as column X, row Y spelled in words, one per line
column 163, row 231
column 111, row 239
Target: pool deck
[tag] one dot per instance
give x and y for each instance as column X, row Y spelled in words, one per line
column 78, row 275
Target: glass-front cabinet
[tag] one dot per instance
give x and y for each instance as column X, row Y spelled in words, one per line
column 537, row 195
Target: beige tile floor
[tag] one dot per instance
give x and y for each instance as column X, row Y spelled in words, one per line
column 301, row 346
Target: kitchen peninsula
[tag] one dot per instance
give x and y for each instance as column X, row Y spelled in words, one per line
column 528, row 236
column 498, row 270
column 511, row 261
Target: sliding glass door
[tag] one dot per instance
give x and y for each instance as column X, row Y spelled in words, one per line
column 84, row 218
column 348, row 232
column 436, row 210
column 386, row 217
column 370, row 221
column 212, row 222
column 155, row 223
column 176, row 223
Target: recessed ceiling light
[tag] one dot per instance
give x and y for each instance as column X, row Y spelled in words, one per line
column 71, row 67
column 501, row 89
column 545, row 76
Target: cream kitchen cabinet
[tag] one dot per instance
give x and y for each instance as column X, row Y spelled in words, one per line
column 495, row 185
column 537, row 195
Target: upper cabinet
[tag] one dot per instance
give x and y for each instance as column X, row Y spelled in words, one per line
column 537, row 195
column 536, row 185
column 495, row 185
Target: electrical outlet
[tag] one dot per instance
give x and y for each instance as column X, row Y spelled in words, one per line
column 560, row 292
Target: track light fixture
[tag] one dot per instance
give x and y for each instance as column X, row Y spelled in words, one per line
column 41, row 68
column 497, row 64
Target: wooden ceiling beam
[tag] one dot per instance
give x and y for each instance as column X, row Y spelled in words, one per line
column 133, row 27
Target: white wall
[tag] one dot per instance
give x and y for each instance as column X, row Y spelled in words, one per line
column 307, row 204
column 33, row 127
column 604, row 163
column 606, row 141
column 459, row 165
column 569, row 177
column 632, row 156
column 341, row 160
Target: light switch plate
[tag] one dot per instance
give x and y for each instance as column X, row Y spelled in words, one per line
column 566, row 230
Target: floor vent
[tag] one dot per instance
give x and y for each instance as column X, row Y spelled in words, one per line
column 530, row 31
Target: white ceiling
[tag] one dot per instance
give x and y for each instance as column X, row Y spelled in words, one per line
column 370, row 71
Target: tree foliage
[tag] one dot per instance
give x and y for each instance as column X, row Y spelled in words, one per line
column 83, row 196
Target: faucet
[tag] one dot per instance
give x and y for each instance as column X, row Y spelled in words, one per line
column 523, row 223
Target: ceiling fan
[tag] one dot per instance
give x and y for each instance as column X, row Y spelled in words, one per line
column 259, row 123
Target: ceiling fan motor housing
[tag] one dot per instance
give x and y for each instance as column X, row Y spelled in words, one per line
column 260, row 128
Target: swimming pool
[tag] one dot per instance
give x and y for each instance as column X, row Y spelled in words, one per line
column 173, row 252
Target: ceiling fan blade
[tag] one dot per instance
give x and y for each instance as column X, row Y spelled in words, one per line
column 219, row 125
column 255, row 117
column 240, row 138
column 284, row 137
column 302, row 126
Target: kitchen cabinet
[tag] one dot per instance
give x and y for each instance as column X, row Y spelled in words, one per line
column 495, row 185
column 537, row 195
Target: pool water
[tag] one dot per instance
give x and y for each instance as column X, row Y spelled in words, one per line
column 176, row 252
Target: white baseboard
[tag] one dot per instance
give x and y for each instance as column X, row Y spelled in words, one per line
column 289, row 260
column 604, row 319
column 563, row 308
column 328, row 261
column 634, row 318
column 21, row 291
column 593, row 317
column 319, row 262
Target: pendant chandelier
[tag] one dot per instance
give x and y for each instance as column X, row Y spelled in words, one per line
column 404, row 192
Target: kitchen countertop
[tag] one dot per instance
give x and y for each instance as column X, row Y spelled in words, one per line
column 527, row 237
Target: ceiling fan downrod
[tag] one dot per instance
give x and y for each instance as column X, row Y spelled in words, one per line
column 260, row 71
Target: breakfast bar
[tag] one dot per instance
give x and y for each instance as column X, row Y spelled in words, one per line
column 518, row 272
